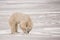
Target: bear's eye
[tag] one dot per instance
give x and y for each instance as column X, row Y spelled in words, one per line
column 26, row 25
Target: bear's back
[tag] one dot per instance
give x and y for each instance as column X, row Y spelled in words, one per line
column 20, row 17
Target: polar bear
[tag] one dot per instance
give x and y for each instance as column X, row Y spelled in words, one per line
column 23, row 20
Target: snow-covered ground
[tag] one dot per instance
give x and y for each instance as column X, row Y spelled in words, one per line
column 37, row 34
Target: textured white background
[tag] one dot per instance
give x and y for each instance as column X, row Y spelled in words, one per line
column 45, row 15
